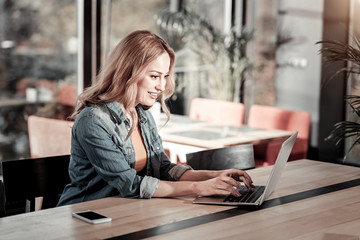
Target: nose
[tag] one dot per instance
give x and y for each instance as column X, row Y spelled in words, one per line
column 160, row 86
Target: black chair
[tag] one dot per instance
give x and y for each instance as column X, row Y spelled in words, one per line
column 238, row 157
column 26, row 179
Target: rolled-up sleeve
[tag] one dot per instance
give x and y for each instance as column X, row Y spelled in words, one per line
column 177, row 171
column 148, row 186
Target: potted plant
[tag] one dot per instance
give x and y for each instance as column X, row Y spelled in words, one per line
column 221, row 59
column 334, row 51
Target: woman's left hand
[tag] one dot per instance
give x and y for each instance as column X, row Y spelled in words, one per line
column 239, row 175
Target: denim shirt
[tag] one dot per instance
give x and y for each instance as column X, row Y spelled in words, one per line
column 102, row 161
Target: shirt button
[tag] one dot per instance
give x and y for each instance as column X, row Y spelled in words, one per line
column 157, row 148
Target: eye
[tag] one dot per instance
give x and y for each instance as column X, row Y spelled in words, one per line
column 155, row 77
column 166, row 76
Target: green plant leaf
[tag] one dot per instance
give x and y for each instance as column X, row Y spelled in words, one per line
column 334, row 51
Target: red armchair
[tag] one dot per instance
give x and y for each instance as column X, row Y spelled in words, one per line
column 268, row 117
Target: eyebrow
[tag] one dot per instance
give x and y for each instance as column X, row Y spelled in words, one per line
column 158, row 72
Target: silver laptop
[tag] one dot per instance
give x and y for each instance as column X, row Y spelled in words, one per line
column 259, row 193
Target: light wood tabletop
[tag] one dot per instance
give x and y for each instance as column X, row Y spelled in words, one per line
column 313, row 200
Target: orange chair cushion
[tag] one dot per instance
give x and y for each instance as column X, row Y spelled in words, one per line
column 49, row 137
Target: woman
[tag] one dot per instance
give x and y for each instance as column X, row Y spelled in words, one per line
column 115, row 147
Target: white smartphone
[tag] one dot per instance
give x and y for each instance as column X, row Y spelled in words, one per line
column 91, row 217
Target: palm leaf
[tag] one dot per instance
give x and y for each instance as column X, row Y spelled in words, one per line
column 334, row 51
column 354, row 103
column 347, row 129
column 343, row 130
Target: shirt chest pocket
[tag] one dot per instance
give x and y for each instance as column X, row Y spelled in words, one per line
column 156, row 145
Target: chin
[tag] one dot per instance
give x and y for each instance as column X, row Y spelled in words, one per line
column 150, row 103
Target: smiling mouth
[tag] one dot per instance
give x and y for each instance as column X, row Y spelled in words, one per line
column 153, row 94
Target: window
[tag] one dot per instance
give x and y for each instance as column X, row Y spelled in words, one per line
column 121, row 17
column 37, row 67
column 353, row 83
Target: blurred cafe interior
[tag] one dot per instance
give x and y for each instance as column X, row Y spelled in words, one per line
column 270, row 56
column 51, row 50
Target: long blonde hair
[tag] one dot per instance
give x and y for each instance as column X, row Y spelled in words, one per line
column 124, row 68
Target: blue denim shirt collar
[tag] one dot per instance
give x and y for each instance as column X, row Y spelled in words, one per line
column 118, row 115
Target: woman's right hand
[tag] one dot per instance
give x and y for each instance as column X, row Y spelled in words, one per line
column 221, row 185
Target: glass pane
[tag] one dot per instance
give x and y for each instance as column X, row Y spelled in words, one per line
column 266, row 42
column 353, row 87
column 211, row 10
column 121, row 17
column 203, row 62
column 197, row 76
column 37, row 67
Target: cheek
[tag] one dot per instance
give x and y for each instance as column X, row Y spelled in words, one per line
column 144, row 84
column 142, row 92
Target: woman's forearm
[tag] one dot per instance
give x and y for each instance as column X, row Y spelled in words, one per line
column 204, row 183
column 175, row 189
column 198, row 175
column 186, row 186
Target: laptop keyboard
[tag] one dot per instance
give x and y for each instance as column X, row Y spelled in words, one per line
column 246, row 195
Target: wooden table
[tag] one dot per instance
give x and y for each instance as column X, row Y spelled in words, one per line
column 314, row 200
column 182, row 135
